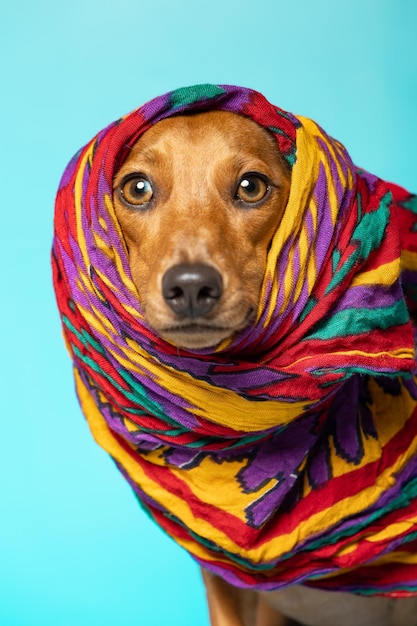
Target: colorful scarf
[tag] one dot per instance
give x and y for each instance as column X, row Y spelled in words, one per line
column 287, row 454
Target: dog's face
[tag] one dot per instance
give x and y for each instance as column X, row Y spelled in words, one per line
column 198, row 200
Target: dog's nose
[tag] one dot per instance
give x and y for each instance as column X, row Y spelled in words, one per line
column 192, row 290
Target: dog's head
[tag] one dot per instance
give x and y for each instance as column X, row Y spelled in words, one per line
column 198, row 199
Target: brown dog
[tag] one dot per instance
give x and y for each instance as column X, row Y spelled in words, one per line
column 198, row 200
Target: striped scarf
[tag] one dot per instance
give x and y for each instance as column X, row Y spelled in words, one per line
column 287, row 454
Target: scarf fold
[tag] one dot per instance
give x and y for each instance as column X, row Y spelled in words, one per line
column 287, row 453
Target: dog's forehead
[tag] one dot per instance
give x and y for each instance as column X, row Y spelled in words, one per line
column 207, row 132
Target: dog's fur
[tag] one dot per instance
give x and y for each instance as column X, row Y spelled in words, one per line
column 198, row 199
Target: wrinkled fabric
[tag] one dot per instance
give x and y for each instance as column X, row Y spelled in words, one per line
column 286, row 454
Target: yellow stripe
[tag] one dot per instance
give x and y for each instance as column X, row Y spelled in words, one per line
column 394, row 530
column 78, row 193
column 288, row 281
column 97, row 321
column 385, row 275
column 312, row 266
column 126, row 279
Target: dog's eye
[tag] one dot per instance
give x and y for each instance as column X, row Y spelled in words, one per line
column 136, row 190
column 252, row 188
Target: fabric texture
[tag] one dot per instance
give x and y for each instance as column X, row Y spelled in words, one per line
column 286, row 454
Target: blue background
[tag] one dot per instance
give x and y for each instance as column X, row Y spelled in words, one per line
column 75, row 548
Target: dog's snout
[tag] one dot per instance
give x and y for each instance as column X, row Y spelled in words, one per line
column 192, row 290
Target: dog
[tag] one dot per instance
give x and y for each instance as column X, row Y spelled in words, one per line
column 238, row 302
column 198, row 199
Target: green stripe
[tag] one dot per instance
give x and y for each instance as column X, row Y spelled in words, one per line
column 356, row 321
column 336, row 256
column 311, row 303
column 189, row 95
column 367, row 236
column 83, row 336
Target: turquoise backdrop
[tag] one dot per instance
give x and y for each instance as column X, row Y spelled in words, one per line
column 75, row 548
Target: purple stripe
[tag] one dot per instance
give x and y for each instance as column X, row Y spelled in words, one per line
column 325, row 230
column 369, row 297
